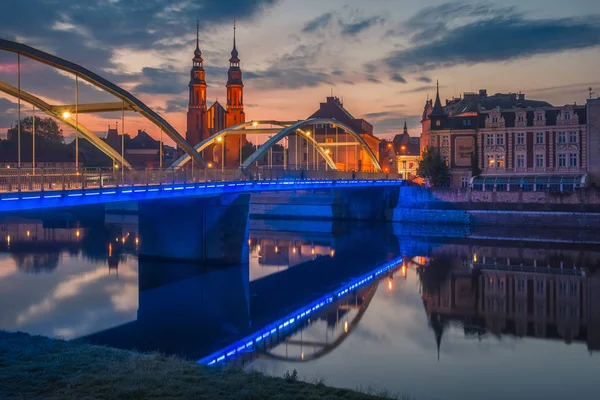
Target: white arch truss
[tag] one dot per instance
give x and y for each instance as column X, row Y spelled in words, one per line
column 129, row 102
column 296, row 127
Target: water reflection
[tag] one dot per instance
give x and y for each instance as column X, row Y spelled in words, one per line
column 453, row 308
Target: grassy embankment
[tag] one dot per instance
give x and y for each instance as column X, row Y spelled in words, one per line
column 34, row 367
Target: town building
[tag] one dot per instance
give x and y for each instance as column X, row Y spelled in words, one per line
column 510, row 142
column 203, row 122
column 349, row 157
column 401, row 155
column 141, row 151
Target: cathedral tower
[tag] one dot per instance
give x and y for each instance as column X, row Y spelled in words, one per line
column 235, row 89
column 196, row 116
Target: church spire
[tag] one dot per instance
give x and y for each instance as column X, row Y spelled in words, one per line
column 234, row 61
column 437, row 107
column 405, row 127
column 197, row 34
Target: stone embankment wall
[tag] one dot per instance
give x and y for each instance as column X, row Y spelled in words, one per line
column 539, row 209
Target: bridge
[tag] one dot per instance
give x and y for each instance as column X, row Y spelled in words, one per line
column 325, row 148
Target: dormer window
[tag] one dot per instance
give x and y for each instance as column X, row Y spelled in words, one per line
column 567, row 116
column 539, row 117
column 494, row 120
column 438, row 123
column 521, row 118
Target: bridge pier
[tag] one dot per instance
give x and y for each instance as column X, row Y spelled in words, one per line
column 195, row 229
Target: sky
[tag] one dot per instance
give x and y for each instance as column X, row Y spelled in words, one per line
column 382, row 57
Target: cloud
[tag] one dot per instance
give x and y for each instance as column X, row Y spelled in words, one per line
column 418, row 89
column 395, row 123
column 162, row 80
column 377, row 114
column 459, row 34
column 423, row 79
column 175, row 106
column 397, row 78
column 292, row 70
column 337, row 72
column 372, row 79
column 357, row 26
column 318, row 23
column 8, row 113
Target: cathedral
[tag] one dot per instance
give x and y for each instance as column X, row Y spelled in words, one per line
column 203, row 122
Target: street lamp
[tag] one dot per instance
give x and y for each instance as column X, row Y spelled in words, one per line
column 254, row 123
column 66, row 115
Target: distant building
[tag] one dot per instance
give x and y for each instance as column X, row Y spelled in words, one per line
column 401, row 155
column 142, row 151
column 346, row 158
column 202, row 123
column 514, row 142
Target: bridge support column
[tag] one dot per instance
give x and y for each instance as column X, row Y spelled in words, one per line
column 203, row 230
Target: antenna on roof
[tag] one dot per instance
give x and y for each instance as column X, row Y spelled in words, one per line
column 592, row 93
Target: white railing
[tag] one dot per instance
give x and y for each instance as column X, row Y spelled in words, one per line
column 47, row 179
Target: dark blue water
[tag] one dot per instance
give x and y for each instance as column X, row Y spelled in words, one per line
column 457, row 313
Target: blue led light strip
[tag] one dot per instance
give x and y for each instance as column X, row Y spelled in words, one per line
column 246, row 344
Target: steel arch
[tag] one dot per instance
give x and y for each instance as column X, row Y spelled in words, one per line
column 239, row 130
column 102, row 83
column 48, row 109
column 295, row 127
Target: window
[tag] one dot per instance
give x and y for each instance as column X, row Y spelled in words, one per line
column 539, row 138
column 539, row 287
column 490, row 161
column 520, row 160
column 520, row 138
column 521, row 118
column 438, row 123
column 562, row 288
column 500, row 139
column 446, row 160
column 539, row 117
column 499, row 161
column 468, row 122
column 464, row 182
column 573, row 160
column 539, row 160
column 573, row 289
column 494, row 119
column 445, row 141
column 562, row 138
column 490, row 139
column 490, row 285
column 572, row 137
column 562, row 160
column 567, row 116
column 500, row 284
column 520, row 285
column 329, row 140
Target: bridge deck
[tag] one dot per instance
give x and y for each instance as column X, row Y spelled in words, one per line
column 11, row 201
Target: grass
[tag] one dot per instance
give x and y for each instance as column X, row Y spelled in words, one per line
column 40, row 367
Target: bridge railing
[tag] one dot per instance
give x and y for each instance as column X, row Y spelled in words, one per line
column 47, row 179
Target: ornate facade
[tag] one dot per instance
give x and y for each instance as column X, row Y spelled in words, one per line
column 203, row 122
column 511, row 142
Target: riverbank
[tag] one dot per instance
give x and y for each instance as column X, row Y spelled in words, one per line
column 40, row 367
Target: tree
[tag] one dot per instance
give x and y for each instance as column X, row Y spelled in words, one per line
column 247, row 150
column 433, row 168
column 45, row 128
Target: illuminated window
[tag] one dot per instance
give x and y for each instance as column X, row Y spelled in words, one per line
column 438, row 123
column 520, row 138
column 446, row 160
column 499, row 161
column 490, row 284
column 329, row 140
column 490, row 161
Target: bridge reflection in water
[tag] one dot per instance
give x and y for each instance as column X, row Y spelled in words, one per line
column 545, row 289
